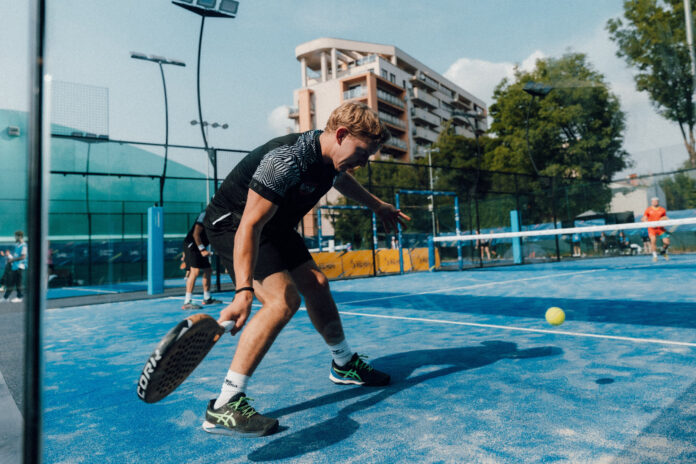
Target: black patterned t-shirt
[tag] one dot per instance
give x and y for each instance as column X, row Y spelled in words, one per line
column 288, row 171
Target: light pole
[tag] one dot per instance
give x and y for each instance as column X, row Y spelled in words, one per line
column 212, row 154
column 206, row 9
column 432, row 197
column 161, row 61
column 534, row 89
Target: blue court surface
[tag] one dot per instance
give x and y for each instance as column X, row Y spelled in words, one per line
column 122, row 287
column 478, row 375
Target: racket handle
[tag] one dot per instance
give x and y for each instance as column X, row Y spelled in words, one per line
column 227, row 325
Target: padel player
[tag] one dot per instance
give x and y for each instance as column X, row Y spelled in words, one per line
column 251, row 224
column 196, row 260
column 655, row 212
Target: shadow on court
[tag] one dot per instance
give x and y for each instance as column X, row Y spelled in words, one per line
column 652, row 313
column 400, row 366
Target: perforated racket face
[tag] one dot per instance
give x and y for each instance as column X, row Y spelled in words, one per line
column 177, row 355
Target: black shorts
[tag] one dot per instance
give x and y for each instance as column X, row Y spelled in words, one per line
column 277, row 252
column 194, row 258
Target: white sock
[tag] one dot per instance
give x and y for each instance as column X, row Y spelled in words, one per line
column 206, row 295
column 234, row 383
column 655, row 254
column 341, row 353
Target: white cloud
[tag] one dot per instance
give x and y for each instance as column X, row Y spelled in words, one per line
column 480, row 77
column 278, row 120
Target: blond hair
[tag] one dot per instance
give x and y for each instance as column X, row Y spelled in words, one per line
column 360, row 120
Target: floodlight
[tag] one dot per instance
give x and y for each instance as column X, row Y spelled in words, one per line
column 206, row 3
column 229, row 6
column 537, row 89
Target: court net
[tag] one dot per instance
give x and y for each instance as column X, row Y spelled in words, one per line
column 544, row 242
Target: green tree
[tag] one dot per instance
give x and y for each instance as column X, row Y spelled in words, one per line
column 651, row 38
column 680, row 191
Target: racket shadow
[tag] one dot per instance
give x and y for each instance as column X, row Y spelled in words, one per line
column 400, row 366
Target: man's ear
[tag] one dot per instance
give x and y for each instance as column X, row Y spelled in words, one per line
column 341, row 134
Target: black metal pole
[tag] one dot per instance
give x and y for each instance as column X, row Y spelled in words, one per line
column 198, row 86
column 166, row 136
column 526, row 135
column 553, row 209
column 37, row 224
column 218, row 286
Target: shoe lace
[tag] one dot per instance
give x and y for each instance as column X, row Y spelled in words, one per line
column 242, row 405
column 360, row 364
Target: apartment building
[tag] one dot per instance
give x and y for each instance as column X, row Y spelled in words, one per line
column 413, row 100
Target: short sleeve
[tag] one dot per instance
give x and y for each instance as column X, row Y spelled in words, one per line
column 277, row 172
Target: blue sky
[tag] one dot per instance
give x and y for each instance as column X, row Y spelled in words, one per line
column 249, row 70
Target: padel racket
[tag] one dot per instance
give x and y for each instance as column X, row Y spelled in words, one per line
column 178, row 354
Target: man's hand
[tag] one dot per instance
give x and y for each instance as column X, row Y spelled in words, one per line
column 205, row 253
column 391, row 217
column 237, row 311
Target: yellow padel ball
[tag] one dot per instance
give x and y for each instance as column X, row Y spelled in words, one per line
column 555, row 315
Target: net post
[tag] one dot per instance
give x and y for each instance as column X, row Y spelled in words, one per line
column 374, row 244
column 460, row 259
column 516, row 246
column 155, row 250
column 398, row 227
column 431, row 253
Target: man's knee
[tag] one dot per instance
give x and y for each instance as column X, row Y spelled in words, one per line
column 286, row 306
column 319, row 282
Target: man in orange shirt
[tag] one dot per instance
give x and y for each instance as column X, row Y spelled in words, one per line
column 655, row 212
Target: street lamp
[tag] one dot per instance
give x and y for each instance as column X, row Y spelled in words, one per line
column 535, row 89
column 206, row 9
column 212, row 153
column 432, row 197
column 160, row 60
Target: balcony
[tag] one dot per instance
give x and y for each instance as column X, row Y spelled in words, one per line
column 423, row 97
column 391, row 99
column 423, row 135
column 421, row 80
column 396, row 143
column 356, row 92
column 393, row 120
column 423, row 116
column 293, row 113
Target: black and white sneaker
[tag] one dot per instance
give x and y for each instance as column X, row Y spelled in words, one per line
column 238, row 417
column 211, row 301
column 358, row 372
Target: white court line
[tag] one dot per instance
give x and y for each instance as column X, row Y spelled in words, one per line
column 89, row 290
column 524, row 329
column 466, row 287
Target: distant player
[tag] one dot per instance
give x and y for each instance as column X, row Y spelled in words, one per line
column 196, row 260
column 655, row 212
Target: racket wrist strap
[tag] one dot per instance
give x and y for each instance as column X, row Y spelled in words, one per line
column 248, row 289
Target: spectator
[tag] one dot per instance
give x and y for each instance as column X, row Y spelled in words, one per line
column 18, row 263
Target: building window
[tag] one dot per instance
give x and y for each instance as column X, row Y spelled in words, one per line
column 385, row 74
column 392, row 78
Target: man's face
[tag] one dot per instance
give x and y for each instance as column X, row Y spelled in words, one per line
column 655, row 202
column 18, row 238
column 352, row 151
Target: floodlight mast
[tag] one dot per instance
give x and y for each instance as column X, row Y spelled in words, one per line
column 535, row 89
column 206, row 9
column 160, row 60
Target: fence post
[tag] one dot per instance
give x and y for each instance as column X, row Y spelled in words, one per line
column 155, row 250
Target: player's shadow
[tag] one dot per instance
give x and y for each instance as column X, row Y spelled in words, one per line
column 400, row 366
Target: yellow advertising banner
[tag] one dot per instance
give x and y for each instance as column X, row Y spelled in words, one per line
column 330, row 263
column 419, row 259
column 337, row 265
column 357, row 263
column 388, row 261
